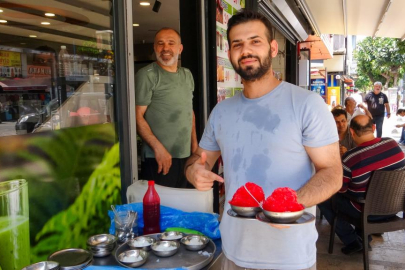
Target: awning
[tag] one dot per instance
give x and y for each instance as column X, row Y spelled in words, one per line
column 321, row 47
column 380, row 18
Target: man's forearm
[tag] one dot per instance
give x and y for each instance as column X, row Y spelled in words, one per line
column 145, row 132
column 368, row 113
column 321, row 186
column 194, row 143
column 387, row 108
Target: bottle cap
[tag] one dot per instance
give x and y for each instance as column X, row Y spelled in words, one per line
column 63, row 47
column 151, row 183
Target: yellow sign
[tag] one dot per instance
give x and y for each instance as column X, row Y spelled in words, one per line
column 10, row 59
column 333, row 96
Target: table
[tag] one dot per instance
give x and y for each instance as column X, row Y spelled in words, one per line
column 110, row 259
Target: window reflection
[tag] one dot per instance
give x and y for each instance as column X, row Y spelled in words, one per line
column 43, row 89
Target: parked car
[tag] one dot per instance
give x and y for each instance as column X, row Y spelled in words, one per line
column 32, row 118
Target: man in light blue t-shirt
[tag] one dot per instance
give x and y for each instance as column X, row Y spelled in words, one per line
column 274, row 134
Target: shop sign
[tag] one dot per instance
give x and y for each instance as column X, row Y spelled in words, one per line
column 318, row 86
column 10, row 59
column 39, row 71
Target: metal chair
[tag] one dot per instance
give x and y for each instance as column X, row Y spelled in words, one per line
column 385, row 196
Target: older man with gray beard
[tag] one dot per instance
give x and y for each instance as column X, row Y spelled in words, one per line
column 164, row 113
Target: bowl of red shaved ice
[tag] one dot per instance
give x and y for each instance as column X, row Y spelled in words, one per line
column 282, row 206
column 244, row 204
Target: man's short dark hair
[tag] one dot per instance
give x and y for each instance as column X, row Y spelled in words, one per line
column 355, row 89
column 339, row 112
column 400, row 111
column 244, row 16
column 168, row 28
column 359, row 129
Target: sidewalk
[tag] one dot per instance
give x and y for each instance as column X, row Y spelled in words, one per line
column 389, row 129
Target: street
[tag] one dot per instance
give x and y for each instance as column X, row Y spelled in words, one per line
column 7, row 128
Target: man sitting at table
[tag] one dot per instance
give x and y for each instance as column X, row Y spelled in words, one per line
column 345, row 138
column 353, row 109
column 370, row 155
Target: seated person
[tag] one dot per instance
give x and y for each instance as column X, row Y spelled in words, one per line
column 370, row 155
column 345, row 138
column 353, row 110
column 401, row 112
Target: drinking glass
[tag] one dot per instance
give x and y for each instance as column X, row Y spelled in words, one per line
column 126, row 225
column 14, row 225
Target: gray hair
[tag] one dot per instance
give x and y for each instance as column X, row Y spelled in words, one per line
column 378, row 83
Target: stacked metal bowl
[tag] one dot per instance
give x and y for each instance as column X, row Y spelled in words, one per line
column 45, row 265
column 101, row 245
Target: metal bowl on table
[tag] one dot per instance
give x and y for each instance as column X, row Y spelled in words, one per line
column 165, row 248
column 45, row 265
column 141, row 242
column 283, row 217
column 194, row 242
column 246, row 211
column 133, row 258
column 171, row 236
column 101, row 245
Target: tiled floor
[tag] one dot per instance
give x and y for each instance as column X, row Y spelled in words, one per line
column 388, row 252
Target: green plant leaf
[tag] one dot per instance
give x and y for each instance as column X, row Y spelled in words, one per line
column 87, row 215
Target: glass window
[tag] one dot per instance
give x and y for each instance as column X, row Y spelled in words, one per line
column 56, row 65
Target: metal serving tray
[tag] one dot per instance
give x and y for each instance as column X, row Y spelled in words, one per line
column 193, row 260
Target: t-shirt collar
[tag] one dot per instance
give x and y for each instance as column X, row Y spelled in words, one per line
column 376, row 140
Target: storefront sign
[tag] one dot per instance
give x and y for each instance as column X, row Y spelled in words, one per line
column 318, row 86
column 38, row 71
column 10, row 59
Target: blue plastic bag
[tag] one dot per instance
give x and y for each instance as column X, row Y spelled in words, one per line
column 205, row 223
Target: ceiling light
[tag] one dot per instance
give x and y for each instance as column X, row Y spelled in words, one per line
column 156, row 6
column 1, row 10
column 50, row 14
column 135, row 24
column 3, row 21
column 32, row 36
column 45, row 23
column 144, row 3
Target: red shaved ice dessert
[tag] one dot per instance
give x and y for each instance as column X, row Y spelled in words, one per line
column 242, row 197
column 282, row 200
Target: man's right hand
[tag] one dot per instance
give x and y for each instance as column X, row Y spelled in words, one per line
column 198, row 175
column 163, row 159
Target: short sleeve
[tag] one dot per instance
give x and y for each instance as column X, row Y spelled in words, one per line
column 208, row 140
column 318, row 126
column 385, row 99
column 144, row 85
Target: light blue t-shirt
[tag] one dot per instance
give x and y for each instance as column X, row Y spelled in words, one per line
column 262, row 141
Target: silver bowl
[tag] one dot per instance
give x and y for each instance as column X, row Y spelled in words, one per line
column 283, row 217
column 45, row 265
column 133, row 258
column 101, row 240
column 165, row 248
column 141, row 242
column 171, row 236
column 101, row 245
column 194, row 242
column 246, row 211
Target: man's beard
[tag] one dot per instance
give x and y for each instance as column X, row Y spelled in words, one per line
column 251, row 73
column 170, row 62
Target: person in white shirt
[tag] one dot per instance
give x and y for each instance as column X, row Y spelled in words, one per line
column 352, row 110
column 357, row 96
